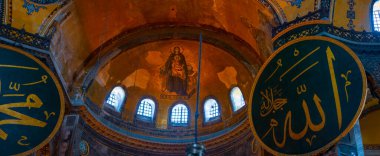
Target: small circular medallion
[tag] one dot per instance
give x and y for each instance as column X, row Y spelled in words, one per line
column 83, row 148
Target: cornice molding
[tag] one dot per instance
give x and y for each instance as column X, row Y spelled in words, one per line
column 33, row 41
column 324, row 28
column 111, row 138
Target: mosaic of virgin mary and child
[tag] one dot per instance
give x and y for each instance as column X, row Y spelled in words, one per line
column 177, row 74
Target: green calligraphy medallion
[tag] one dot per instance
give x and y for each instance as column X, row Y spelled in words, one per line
column 307, row 96
column 31, row 103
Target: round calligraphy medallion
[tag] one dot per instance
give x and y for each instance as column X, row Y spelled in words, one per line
column 31, row 103
column 307, row 96
column 83, row 148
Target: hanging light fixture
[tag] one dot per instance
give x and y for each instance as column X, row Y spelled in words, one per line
column 197, row 149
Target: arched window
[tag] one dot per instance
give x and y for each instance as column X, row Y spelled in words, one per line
column 146, row 109
column 237, row 98
column 376, row 15
column 211, row 110
column 116, row 98
column 179, row 115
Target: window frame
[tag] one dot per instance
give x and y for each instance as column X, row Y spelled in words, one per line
column 141, row 118
column 372, row 20
column 232, row 102
column 109, row 108
column 216, row 119
column 178, row 125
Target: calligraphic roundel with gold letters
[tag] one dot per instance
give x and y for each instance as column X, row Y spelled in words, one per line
column 31, row 103
column 307, row 96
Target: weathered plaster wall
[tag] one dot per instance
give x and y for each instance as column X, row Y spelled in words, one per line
column 68, row 46
column 89, row 25
column 104, row 20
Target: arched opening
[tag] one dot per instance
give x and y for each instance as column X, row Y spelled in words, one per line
column 376, row 15
column 211, row 110
column 179, row 115
column 116, row 98
column 146, row 110
column 237, row 99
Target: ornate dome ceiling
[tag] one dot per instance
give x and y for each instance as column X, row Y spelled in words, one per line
column 132, row 45
column 93, row 30
column 101, row 45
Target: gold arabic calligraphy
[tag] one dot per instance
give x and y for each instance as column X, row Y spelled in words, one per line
column 288, row 123
column 270, row 104
column 32, row 101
